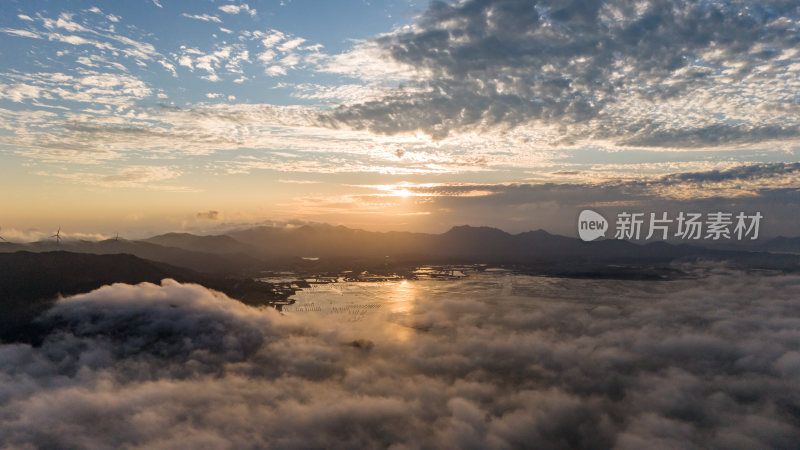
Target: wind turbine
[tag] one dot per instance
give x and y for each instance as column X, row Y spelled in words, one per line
column 2, row 238
column 116, row 239
column 57, row 236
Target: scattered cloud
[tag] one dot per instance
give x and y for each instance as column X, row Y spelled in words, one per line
column 498, row 92
column 89, row 87
column 283, row 180
column 209, row 215
column 236, row 9
column 227, row 59
column 139, row 177
column 203, row 17
column 21, row 33
column 661, row 74
column 33, row 235
column 105, row 41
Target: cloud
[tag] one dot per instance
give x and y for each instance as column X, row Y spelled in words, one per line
column 664, row 74
column 203, row 17
column 88, row 87
column 709, row 362
column 110, row 17
column 33, row 235
column 106, row 42
column 223, row 58
column 236, row 9
column 21, row 33
column 517, row 207
column 289, row 181
column 209, row 215
column 291, row 44
column 141, row 177
column 490, row 96
column 341, row 94
column 283, row 51
column 20, row 92
column 741, row 173
column 367, row 61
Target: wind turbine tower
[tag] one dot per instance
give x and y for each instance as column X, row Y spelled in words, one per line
column 57, row 236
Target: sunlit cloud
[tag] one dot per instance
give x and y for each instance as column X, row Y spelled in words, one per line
column 203, row 17
column 236, row 9
column 141, row 177
column 14, row 235
column 450, row 96
column 605, row 82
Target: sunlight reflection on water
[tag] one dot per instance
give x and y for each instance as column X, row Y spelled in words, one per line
column 397, row 301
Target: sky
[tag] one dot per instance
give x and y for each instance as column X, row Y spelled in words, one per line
column 141, row 117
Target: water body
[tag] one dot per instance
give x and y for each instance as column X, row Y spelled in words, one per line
column 397, row 300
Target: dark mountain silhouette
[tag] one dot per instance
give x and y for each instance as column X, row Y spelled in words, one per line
column 328, row 241
column 31, row 282
column 464, row 244
column 210, row 261
column 219, row 244
column 248, row 252
column 781, row 244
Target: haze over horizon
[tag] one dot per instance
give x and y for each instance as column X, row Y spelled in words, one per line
column 156, row 116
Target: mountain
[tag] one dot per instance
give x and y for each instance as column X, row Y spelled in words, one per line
column 202, row 261
column 460, row 244
column 326, row 241
column 781, row 244
column 31, row 282
column 219, row 244
column 321, row 248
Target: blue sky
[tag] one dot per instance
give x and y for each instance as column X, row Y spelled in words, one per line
column 177, row 29
column 144, row 116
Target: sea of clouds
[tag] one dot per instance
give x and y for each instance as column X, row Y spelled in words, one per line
column 707, row 362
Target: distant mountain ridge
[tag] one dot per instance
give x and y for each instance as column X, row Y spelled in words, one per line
column 208, row 261
column 248, row 251
column 459, row 241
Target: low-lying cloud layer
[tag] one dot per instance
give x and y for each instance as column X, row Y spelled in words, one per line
column 491, row 362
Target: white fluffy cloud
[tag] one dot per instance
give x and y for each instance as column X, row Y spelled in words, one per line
column 236, row 9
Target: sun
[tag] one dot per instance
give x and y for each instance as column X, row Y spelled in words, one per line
column 403, row 193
